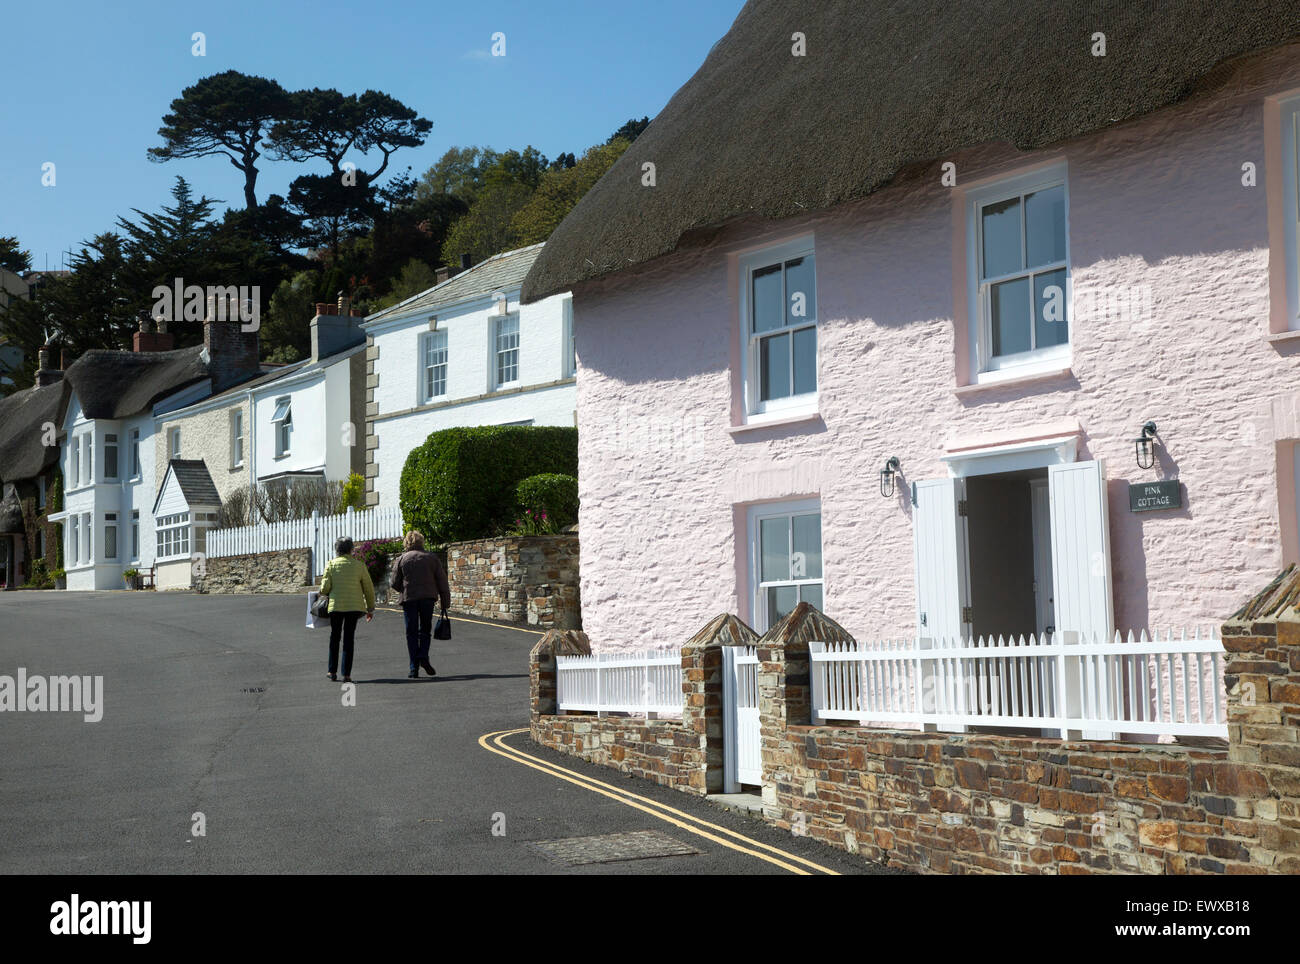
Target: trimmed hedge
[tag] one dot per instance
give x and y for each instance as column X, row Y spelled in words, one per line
column 461, row 483
column 552, row 495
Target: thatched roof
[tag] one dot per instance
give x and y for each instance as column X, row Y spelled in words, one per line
column 117, row 384
column 11, row 513
column 23, row 415
column 885, row 85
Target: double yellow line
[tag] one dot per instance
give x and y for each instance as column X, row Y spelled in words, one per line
column 495, row 743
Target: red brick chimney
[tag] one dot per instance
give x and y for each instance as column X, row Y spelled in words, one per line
column 146, row 339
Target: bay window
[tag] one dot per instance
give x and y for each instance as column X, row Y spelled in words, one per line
column 174, row 536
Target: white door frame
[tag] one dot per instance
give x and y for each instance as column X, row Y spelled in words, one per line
column 1044, row 598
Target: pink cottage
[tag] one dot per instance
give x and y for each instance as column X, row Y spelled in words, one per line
column 948, row 320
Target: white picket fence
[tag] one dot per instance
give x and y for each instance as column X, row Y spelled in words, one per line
column 1151, row 686
column 316, row 532
column 645, row 684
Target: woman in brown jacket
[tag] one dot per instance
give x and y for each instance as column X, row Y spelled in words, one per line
column 419, row 578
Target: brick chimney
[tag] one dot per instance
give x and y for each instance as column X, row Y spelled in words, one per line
column 335, row 328
column 45, row 375
column 145, row 338
column 232, row 354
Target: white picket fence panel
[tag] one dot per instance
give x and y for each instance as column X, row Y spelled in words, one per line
column 317, row 532
column 1171, row 686
column 645, row 684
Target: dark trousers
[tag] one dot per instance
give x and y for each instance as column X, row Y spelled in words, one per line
column 345, row 624
column 419, row 629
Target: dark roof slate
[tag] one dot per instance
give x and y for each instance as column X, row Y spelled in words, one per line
column 501, row 272
column 884, row 86
column 195, row 482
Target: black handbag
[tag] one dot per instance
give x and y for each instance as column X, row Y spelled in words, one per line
column 442, row 628
column 321, row 607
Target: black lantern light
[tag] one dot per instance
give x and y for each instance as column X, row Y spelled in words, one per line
column 887, row 477
column 1146, row 446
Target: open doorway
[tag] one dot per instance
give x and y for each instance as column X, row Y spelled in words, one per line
column 1009, row 546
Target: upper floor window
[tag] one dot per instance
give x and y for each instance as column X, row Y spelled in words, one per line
column 236, row 439
column 779, row 314
column 40, row 495
column 135, row 453
column 282, row 424
column 435, row 365
column 1020, row 253
column 74, row 453
column 174, row 443
column 1291, row 206
column 570, row 341
column 110, row 456
column 506, row 341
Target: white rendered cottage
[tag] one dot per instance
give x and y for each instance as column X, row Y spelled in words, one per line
column 463, row 353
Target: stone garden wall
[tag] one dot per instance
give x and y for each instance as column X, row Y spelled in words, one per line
column 983, row 803
column 285, row 571
column 529, row 580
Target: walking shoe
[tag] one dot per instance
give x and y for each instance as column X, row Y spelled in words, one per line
column 427, row 668
column 334, row 676
column 347, row 679
column 413, row 674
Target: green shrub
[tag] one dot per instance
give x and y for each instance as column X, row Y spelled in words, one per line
column 354, row 493
column 461, row 483
column 551, row 499
column 40, row 576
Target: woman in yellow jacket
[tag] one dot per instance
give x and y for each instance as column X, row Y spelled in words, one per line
column 347, row 583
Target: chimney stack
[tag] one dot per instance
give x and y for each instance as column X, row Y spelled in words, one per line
column 464, row 262
column 146, row 339
column 335, row 328
column 45, row 375
column 233, row 354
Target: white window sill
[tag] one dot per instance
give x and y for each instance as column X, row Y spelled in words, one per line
column 1284, row 337
column 779, row 420
column 282, row 455
column 1011, row 377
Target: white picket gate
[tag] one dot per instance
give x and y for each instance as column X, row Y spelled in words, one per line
column 744, row 746
column 1152, row 686
column 316, row 532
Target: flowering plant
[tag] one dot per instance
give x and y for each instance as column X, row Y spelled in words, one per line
column 533, row 524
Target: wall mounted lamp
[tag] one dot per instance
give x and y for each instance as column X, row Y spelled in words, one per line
column 887, row 475
column 1146, row 446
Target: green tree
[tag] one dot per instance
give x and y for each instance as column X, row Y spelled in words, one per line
column 13, row 257
column 286, row 323
column 416, row 276
column 559, row 190
column 630, row 131
column 459, row 173
column 226, row 114
column 486, row 229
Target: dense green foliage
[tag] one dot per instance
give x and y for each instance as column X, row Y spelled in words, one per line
column 354, row 493
column 462, row 482
column 550, row 497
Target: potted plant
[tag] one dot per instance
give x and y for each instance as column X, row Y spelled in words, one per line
column 132, row 578
column 60, row 578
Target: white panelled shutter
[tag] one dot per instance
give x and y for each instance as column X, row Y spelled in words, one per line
column 940, row 558
column 1081, row 549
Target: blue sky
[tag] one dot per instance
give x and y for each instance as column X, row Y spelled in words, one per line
column 86, row 84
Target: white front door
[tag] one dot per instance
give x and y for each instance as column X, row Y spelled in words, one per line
column 939, row 544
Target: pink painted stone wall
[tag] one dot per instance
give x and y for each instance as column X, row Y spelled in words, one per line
column 1158, row 202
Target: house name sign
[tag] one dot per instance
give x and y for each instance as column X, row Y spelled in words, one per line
column 1150, row 496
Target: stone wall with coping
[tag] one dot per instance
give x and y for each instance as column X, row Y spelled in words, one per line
column 285, row 571
column 986, row 803
column 529, row 580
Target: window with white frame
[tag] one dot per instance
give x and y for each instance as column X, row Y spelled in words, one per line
column 1019, row 252
column 135, row 534
column 779, row 315
column 87, row 538
column 135, row 453
column 236, row 439
column 506, row 348
column 87, row 468
column 174, row 443
column 110, row 535
column 73, row 549
column 203, row 521
column 1291, row 205
column 435, row 365
column 786, row 559
column 570, row 341
column 282, row 426
column 173, row 535
column 74, row 453
column 110, row 457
